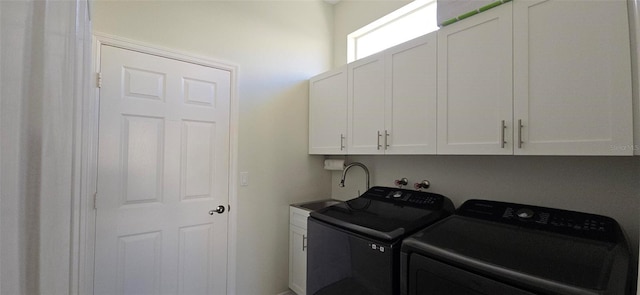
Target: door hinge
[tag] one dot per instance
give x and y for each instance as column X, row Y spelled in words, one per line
column 99, row 80
column 95, row 201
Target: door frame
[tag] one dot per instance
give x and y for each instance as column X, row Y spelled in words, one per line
column 83, row 212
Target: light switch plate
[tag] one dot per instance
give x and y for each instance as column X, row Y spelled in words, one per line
column 244, row 178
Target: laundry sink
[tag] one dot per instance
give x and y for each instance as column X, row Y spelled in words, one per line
column 316, row 205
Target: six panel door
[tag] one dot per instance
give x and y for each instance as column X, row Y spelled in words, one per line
column 163, row 165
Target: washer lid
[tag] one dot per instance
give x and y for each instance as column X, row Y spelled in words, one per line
column 535, row 259
column 387, row 213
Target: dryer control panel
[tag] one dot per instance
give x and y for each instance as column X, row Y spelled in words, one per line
column 578, row 224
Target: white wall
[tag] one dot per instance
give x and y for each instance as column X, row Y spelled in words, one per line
column 277, row 45
column 14, row 219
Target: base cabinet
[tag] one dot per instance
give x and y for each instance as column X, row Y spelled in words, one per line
column 298, row 250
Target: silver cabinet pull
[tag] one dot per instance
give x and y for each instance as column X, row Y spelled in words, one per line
column 502, row 129
column 304, row 242
column 379, row 135
column 341, row 141
column 386, row 139
column 520, row 133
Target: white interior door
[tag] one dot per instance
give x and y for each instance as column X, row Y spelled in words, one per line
column 163, row 165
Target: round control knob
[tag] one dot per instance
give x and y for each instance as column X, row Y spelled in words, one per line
column 525, row 213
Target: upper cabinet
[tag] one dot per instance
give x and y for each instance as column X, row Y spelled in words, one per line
column 392, row 100
column 475, row 84
column 365, row 110
column 410, row 91
column 572, row 78
column 328, row 113
column 529, row 77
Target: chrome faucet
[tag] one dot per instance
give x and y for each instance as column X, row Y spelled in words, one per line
column 344, row 172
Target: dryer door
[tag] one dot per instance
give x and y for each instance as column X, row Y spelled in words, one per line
column 428, row 276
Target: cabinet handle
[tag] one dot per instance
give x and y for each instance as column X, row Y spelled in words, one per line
column 341, row 141
column 520, row 133
column 379, row 135
column 304, row 242
column 502, row 128
column 386, row 139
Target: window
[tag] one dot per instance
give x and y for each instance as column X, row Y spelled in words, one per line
column 410, row 21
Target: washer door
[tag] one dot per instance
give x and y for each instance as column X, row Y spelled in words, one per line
column 340, row 262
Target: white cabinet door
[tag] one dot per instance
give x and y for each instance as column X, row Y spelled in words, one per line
column 298, row 259
column 298, row 249
column 366, row 105
column 328, row 113
column 410, row 112
column 475, row 84
column 572, row 78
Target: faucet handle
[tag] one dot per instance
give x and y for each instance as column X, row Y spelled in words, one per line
column 401, row 182
column 422, row 185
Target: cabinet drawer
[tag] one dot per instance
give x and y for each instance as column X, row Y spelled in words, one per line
column 298, row 217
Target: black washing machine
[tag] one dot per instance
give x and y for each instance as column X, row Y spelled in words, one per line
column 354, row 247
column 490, row 247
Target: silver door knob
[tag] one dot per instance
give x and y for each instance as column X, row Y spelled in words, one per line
column 218, row 210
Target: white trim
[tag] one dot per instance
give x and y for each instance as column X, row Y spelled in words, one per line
column 82, row 272
column 634, row 25
column 106, row 39
column 84, row 215
column 77, row 186
column 634, row 29
column 1, row 145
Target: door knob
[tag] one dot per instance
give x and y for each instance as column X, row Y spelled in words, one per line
column 218, row 210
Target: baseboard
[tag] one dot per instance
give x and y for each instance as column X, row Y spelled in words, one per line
column 288, row 292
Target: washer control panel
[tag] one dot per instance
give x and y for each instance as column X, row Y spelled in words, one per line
column 578, row 224
column 404, row 197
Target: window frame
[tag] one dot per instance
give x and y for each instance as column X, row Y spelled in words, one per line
column 352, row 38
